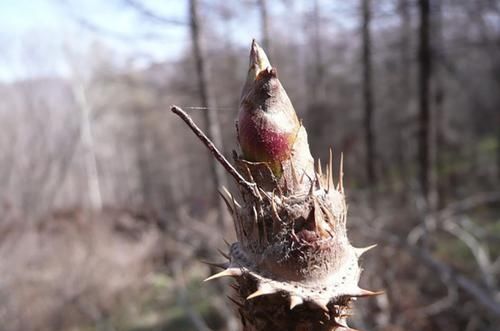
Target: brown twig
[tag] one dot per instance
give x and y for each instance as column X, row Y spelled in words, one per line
column 250, row 187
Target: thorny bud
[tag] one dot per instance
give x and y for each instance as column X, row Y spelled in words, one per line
column 292, row 251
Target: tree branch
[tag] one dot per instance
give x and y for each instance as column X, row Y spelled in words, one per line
column 146, row 12
column 250, row 187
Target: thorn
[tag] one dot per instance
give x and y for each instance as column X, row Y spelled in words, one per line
column 226, row 191
column 263, row 289
column 255, row 191
column 302, row 177
column 341, row 174
column 277, row 222
column 223, row 254
column 295, row 300
column 288, row 188
column 321, row 304
column 267, row 195
column 320, row 171
column 275, row 211
column 361, row 251
column 311, row 188
column 233, row 206
column 365, row 293
column 318, row 218
column 317, row 209
column 264, row 229
column 255, row 215
column 271, row 173
column 327, row 178
column 330, row 173
column 236, row 302
column 240, row 233
column 280, row 191
column 231, row 272
column 344, row 325
column 217, row 265
column 256, row 294
column 249, row 173
column 329, row 216
column 294, row 175
column 228, row 205
column 317, row 179
column 235, row 215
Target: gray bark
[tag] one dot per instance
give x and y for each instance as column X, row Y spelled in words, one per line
column 264, row 23
column 368, row 95
column 424, row 75
column 207, row 100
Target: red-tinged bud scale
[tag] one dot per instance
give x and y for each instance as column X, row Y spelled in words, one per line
column 294, row 266
column 268, row 127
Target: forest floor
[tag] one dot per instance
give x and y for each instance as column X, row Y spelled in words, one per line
column 107, row 271
column 120, row 270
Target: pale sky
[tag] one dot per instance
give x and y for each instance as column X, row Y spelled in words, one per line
column 34, row 34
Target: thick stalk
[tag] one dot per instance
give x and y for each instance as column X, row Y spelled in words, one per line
column 294, row 266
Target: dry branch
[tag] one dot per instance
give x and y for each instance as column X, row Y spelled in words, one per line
column 444, row 271
column 250, row 187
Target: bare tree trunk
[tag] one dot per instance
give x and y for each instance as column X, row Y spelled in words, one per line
column 264, row 24
column 316, row 105
column 404, row 96
column 207, row 100
column 497, row 80
column 317, row 82
column 368, row 96
column 498, row 146
column 424, row 62
column 143, row 157
column 93, row 181
column 438, row 185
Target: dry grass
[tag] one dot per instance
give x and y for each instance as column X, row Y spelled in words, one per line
column 72, row 267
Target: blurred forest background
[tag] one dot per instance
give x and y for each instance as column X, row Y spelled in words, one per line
column 108, row 203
